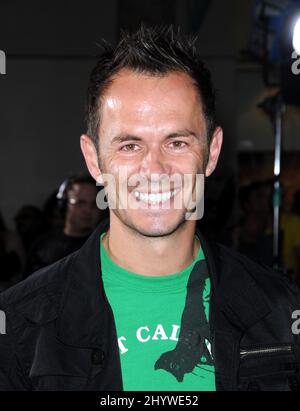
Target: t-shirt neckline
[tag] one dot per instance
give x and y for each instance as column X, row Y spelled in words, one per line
column 115, row 274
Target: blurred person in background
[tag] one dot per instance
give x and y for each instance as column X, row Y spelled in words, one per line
column 12, row 256
column 290, row 228
column 296, row 203
column 30, row 224
column 76, row 200
column 54, row 218
column 253, row 236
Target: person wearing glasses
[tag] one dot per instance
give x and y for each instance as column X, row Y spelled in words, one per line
column 76, row 200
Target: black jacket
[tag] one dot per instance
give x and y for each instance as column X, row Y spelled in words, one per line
column 61, row 335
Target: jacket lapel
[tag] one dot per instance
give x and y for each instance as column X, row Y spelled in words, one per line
column 85, row 316
column 237, row 303
column 86, row 321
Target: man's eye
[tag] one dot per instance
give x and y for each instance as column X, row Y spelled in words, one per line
column 178, row 144
column 129, row 147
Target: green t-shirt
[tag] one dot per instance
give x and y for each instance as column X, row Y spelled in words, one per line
column 162, row 326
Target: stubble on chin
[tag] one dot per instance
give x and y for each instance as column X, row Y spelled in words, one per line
column 157, row 229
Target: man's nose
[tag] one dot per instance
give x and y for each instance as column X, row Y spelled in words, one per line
column 154, row 162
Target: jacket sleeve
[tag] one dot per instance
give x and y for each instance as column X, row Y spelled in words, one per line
column 11, row 374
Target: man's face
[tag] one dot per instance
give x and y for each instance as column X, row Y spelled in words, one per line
column 82, row 212
column 151, row 128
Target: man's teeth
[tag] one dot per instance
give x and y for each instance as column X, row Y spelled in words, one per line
column 155, row 198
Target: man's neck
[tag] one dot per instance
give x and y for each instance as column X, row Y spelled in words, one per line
column 153, row 256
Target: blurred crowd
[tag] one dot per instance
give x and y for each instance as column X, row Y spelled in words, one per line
column 43, row 236
column 70, row 214
column 254, row 233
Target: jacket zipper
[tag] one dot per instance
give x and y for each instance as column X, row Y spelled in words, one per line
column 287, row 348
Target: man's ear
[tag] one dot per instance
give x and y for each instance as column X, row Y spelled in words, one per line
column 214, row 151
column 91, row 157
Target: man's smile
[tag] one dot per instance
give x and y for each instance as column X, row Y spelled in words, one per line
column 155, row 198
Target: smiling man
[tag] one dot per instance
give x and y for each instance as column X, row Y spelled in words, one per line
column 148, row 303
column 152, row 127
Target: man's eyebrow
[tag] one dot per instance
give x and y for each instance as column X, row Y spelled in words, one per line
column 182, row 133
column 120, row 138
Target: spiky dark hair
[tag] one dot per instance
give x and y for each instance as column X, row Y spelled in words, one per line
column 150, row 50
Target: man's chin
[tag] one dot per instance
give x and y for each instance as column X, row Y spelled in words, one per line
column 156, row 227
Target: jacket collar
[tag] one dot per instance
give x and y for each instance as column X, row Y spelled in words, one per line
column 86, row 319
column 237, row 293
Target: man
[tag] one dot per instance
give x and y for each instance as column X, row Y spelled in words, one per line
column 147, row 303
column 77, row 203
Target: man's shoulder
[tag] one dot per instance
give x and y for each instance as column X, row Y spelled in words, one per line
column 38, row 297
column 273, row 282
